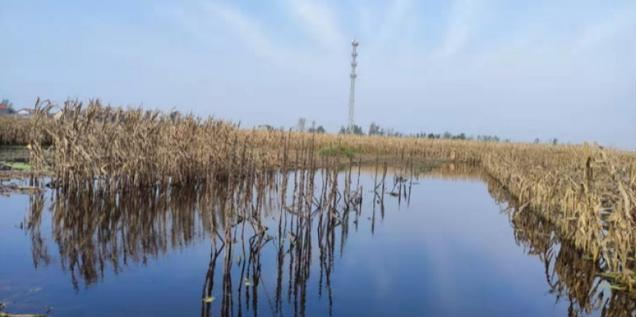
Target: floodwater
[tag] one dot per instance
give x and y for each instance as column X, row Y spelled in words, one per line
column 437, row 244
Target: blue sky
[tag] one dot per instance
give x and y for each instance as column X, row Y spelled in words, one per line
column 517, row 69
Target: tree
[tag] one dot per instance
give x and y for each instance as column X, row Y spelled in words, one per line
column 375, row 129
column 355, row 129
column 266, row 127
column 318, row 129
column 174, row 115
column 300, row 125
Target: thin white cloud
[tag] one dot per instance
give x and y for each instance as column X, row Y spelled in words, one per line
column 249, row 30
column 319, row 22
column 595, row 34
column 459, row 25
column 394, row 20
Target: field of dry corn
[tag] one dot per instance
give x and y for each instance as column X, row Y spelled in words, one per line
column 585, row 191
column 14, row 130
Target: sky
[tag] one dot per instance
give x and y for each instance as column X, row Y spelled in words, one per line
column 517, row 69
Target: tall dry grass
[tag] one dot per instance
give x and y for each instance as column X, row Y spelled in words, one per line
column 14, row 130
column 588, row 193
column 585, row 191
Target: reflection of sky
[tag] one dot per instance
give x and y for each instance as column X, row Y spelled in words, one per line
column 449, row 253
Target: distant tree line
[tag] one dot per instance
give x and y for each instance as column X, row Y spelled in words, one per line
column 553, row 141
column 355, row 129
column 313, row 128
column 377, row 130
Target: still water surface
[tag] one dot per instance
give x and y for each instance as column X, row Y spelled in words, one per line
column 446, row 249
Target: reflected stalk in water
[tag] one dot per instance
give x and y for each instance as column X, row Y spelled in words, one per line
column 302, row 216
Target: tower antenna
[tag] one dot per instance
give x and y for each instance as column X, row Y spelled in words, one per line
column 352, row 86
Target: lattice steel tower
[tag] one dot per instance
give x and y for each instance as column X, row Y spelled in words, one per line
column 352, row 86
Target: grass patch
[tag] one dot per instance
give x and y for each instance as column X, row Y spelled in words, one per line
column 19, row 166
column 337, row 151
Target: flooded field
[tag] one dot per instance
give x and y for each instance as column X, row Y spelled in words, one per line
column 444, row 242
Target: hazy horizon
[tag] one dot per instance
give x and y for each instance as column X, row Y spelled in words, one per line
column 516, row 70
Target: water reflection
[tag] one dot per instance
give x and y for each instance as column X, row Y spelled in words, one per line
column 570, row 274
column 301, row 219
column 94, row 230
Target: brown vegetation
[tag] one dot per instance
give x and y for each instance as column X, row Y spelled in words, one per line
column 587, row 192
column 14, row 130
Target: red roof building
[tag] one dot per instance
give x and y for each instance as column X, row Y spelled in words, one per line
column 4, row 109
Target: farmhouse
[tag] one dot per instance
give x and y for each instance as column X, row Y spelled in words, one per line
column 5, row 109
column 24, row 112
